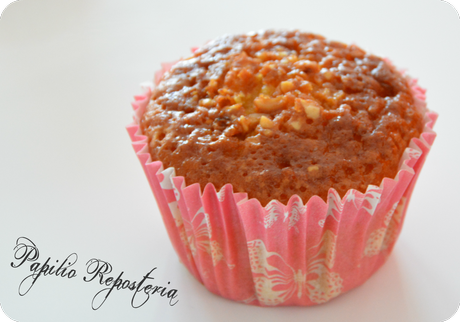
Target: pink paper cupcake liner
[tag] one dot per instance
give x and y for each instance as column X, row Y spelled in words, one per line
column 282, row 255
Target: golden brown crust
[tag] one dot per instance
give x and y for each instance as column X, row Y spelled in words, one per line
column 282, row 113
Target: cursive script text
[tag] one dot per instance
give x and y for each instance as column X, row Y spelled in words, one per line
column 26, row 251
column 98, row 270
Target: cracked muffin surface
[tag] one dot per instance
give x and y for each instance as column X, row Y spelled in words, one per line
column 278, row 113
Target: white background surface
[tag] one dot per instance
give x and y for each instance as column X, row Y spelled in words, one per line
column 70, row 181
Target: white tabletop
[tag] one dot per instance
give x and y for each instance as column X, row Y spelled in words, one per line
column 71, row 183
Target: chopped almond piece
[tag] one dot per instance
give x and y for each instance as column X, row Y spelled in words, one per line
column 296, row 125
column 265, row 104
column 266, row 123
column 235, row 108
column 287, row 86
column 311, row 109
column 244, row 123
column 207, row 102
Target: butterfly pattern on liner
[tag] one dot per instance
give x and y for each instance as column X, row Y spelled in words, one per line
column 199, row 238
column 292, row 214
column 382, row 238
column 335, row 207
column 276, row 281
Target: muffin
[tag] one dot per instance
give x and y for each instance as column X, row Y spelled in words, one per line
column 314, row 147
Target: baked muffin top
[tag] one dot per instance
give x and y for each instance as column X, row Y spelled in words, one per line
column 278, row 113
